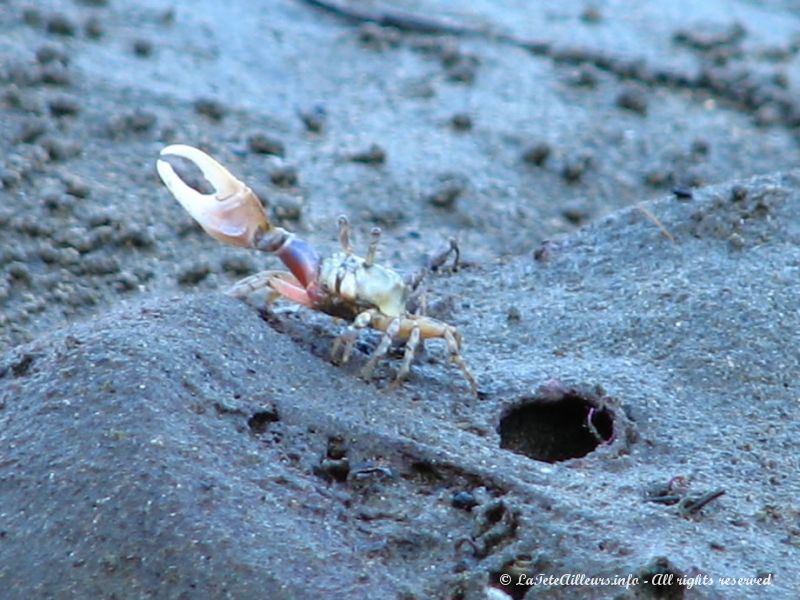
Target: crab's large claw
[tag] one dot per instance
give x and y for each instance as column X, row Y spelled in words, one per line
column 232, row 214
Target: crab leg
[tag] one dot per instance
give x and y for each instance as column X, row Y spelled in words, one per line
column 454, row 347
column 408, row 356
column 346, row 340
column 279, row 283
column 425, row 328
column 382, row 349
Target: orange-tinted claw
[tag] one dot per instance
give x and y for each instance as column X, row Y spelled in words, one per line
column 290, row 289
column 232, row 214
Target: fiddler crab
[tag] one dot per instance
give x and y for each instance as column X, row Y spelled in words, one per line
column 343, row 285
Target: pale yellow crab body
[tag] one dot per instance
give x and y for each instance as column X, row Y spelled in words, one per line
column 351, row 280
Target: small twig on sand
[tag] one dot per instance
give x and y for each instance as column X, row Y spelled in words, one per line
column 694, row 504
column 653, row 219
column 388, row 17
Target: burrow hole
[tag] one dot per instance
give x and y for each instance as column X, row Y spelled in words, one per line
column 552, row 429
column 260, row 421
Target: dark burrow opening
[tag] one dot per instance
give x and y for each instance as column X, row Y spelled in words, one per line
column 260, row 421
column 555, row 428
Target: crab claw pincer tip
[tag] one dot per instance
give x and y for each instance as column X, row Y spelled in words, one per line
column 232, row 214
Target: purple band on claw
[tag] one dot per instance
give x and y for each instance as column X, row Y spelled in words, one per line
column 301, row 259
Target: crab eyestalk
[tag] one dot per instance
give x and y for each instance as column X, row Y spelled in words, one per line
column 372, row 250
column 233, row 214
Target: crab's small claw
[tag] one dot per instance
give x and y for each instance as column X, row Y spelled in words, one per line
column 232, row 214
